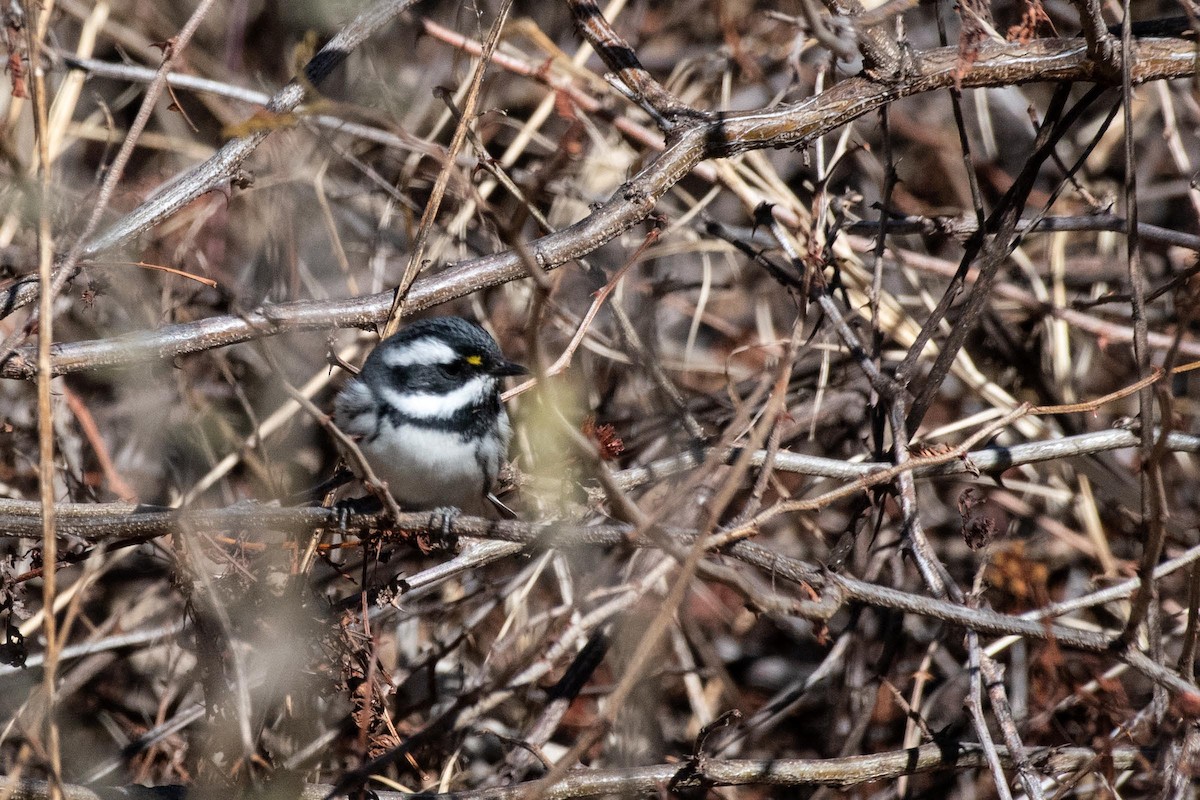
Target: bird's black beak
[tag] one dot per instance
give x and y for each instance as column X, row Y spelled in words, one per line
column 505, row 368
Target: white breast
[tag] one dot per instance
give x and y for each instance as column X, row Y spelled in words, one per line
column 426, row 468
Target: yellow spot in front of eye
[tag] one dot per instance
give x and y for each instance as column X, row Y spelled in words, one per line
column 474, row 361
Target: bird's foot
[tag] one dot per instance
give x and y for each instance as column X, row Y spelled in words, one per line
column 368, row 504
column 439, row 538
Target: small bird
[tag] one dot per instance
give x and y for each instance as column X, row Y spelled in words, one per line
column 426, row 408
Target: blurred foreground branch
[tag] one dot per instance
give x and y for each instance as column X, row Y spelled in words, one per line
column 701, row 773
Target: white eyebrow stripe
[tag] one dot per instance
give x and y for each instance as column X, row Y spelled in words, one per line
column 422, row 405
column 421, row 351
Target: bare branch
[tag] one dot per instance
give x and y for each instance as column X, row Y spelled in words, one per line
column 774, row 772
column 998, row 64
column 223, row 166
column 667, row 110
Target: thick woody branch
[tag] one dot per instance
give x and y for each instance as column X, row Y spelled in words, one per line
column 124, row 524
column 94, row 522
column 788, row 126
column 703, row 773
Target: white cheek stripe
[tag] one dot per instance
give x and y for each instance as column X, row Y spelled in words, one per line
column 422, row 351
column 422, row 405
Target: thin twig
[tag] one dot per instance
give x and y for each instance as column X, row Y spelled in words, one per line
column 466, row 117
column 667, row 110
column 45, row 412
column 223, row 165
column 1153, row 509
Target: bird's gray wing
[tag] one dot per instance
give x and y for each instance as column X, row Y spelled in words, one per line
column 354, row 411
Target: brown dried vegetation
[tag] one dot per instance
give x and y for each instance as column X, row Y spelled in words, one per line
column 860, row 456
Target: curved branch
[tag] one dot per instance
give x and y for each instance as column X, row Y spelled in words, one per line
column 730, row 133
column 222, row 165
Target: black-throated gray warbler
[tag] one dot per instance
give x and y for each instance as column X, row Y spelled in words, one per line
column 426, row 406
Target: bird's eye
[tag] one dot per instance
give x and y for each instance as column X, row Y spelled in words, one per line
column 455, row 368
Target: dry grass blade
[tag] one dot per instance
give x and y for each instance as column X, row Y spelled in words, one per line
column 861, row 452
